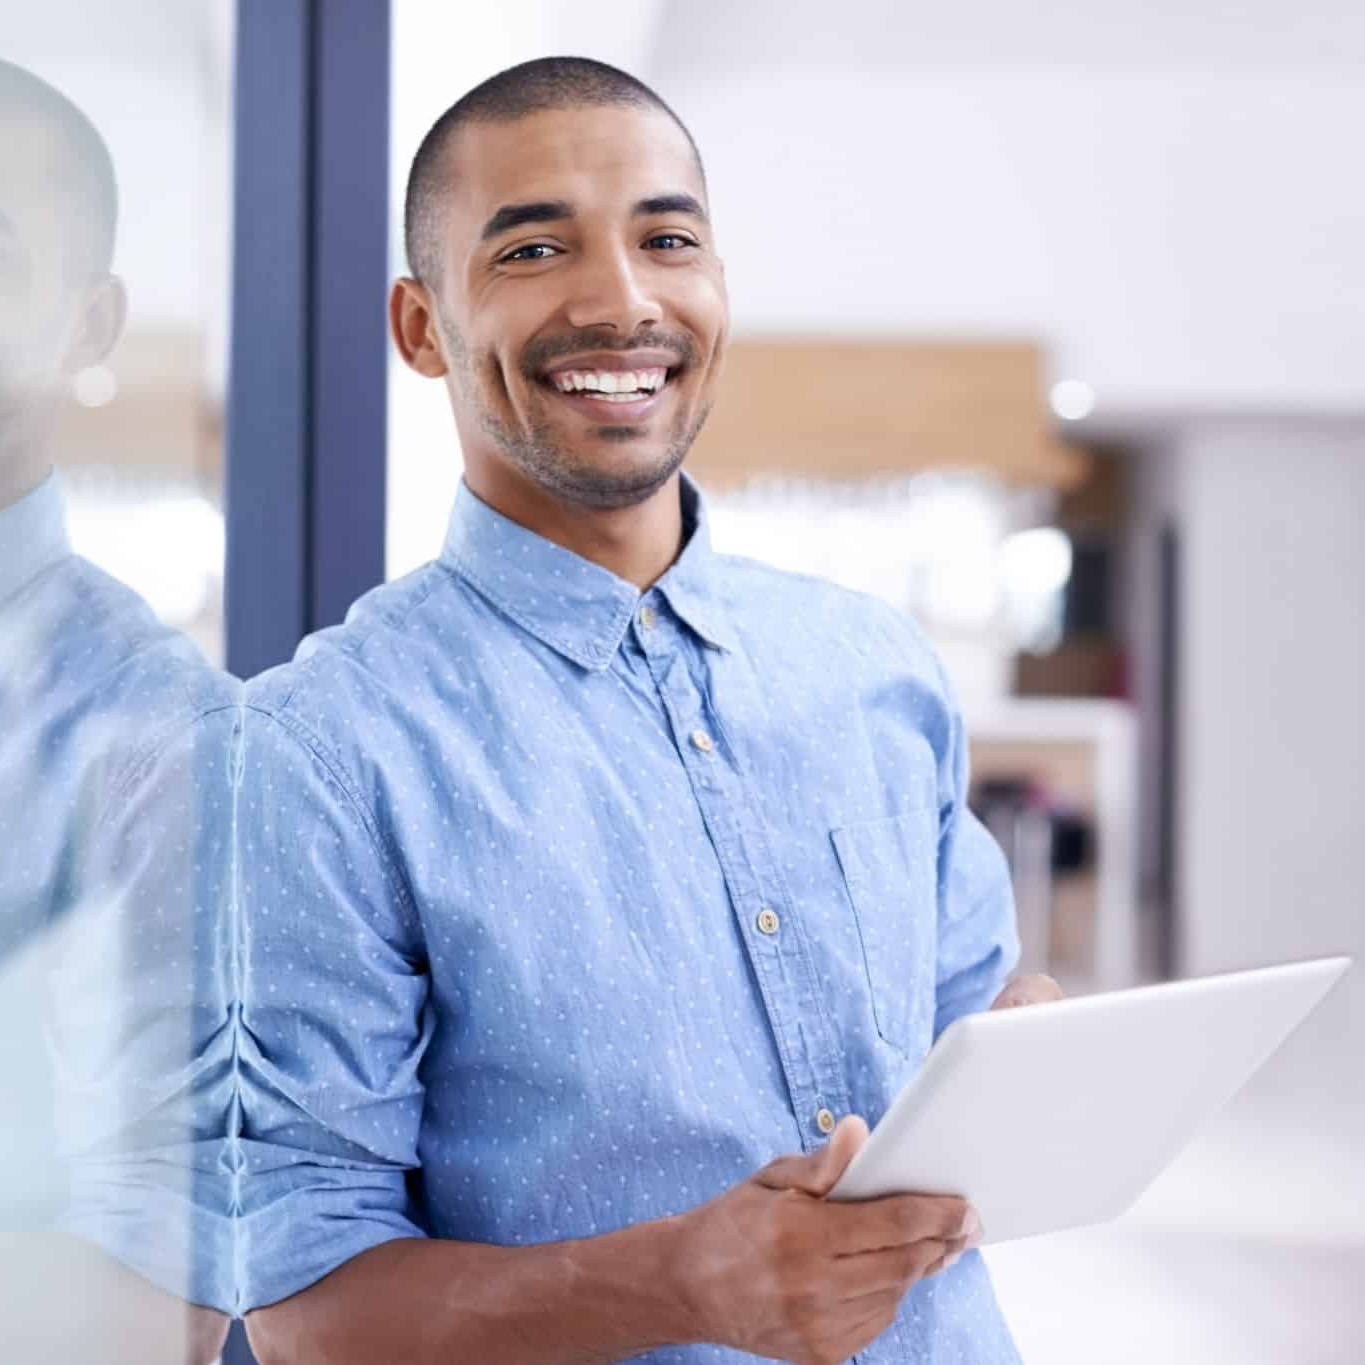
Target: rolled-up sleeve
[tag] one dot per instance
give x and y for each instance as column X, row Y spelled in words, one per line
column 333, row 986
column 139, row 1028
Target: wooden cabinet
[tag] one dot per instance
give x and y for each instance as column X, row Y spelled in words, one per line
column 836, row 409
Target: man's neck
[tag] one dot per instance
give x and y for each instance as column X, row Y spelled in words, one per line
column 636, row 543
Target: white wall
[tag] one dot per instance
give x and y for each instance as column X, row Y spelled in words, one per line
column 1184, row 238
column 1272, row 719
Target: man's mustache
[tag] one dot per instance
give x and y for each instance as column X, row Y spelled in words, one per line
column 545, row 351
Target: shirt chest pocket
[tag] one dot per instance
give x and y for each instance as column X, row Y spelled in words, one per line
column 890, row 872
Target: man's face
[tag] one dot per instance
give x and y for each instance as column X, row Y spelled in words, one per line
column 583, row 308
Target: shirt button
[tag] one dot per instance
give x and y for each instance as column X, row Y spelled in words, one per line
column 767, row 920
column 702, row 741
column 648, row 616
column 824, row 1121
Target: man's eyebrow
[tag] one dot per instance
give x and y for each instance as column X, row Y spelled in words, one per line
column 510, row 216
column 669, row 203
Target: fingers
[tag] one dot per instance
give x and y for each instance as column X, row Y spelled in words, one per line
column 816, row 1173
column 897, row 1220
column 871, row 1274
column 889, row 1271
column 951, row 1256
column 1032, row 989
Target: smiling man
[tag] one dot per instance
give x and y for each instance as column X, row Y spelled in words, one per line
column 573, row 303
column 597, row 888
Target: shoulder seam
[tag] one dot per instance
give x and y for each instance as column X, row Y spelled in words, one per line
column 337, row 774
column 135, row 767
column 360, row 637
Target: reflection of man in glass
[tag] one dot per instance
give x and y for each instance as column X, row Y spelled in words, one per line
column 60, row 308
column 585, row 872
column 107, row 1001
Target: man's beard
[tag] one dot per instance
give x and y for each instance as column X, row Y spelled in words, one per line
column 544, row 459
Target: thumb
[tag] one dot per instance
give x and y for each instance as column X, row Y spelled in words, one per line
column 816, row 1173
column 1034, row 989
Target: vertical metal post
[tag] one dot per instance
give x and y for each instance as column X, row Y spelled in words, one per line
column 307, row 388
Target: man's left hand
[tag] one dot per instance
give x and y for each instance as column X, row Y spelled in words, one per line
column 1034, row 989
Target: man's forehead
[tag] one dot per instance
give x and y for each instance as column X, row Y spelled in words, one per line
column 599, row 154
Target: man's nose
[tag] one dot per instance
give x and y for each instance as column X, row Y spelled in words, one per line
column 613, row 293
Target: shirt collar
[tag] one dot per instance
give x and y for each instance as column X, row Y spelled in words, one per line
column 570, row 603
column 32, row 536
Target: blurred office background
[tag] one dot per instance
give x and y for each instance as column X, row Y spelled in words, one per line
column 1050, row 328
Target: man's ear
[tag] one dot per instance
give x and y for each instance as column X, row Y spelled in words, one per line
column 413, row 322
column 99, row 325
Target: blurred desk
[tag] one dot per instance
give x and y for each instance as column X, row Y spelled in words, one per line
column 1083, row 753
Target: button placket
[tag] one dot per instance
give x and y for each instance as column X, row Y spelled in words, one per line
column 779, row 954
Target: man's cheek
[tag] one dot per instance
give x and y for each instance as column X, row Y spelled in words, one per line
column 497, row 380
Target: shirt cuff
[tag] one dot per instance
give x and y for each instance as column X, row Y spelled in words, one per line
column 307, row 1220
column 168, row 1217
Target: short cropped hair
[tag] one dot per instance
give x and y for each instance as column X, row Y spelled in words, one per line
column 82, row 169
column 529, row 88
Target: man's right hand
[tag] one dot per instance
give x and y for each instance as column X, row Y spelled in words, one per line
column 774, row 1268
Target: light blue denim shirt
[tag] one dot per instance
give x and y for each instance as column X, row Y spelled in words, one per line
column 116, row 1065
column 566, row 907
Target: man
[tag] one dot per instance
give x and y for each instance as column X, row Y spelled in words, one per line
column 109, row 759
column 584, row 872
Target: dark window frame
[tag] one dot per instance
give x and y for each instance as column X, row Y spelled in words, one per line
column 307, row 391
column 307, row 388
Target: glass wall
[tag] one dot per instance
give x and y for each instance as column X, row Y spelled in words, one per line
column 115, row 136
column 1049, row 344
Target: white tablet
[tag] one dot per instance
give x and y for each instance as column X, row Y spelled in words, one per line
column 1058, row 1115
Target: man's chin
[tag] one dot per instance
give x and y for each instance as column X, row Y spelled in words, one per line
column 610, row 490
column 621, row 476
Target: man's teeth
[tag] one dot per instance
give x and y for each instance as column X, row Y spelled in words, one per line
column 611, row 383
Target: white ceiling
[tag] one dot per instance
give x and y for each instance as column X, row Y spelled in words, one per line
column 149, row 36
column 914, row 35
column 1217, row 35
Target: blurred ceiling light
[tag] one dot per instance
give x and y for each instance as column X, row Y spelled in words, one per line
column 94, row 386
column 1035, row 567
column 962, row 594
column 1037, row 561
column 952, row 519
column 1072, row 399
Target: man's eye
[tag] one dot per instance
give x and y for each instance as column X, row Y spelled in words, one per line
column 522, row 252
column 675, row 239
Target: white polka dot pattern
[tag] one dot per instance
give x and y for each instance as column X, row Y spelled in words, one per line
column 504, row 842
column 116, row 1069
